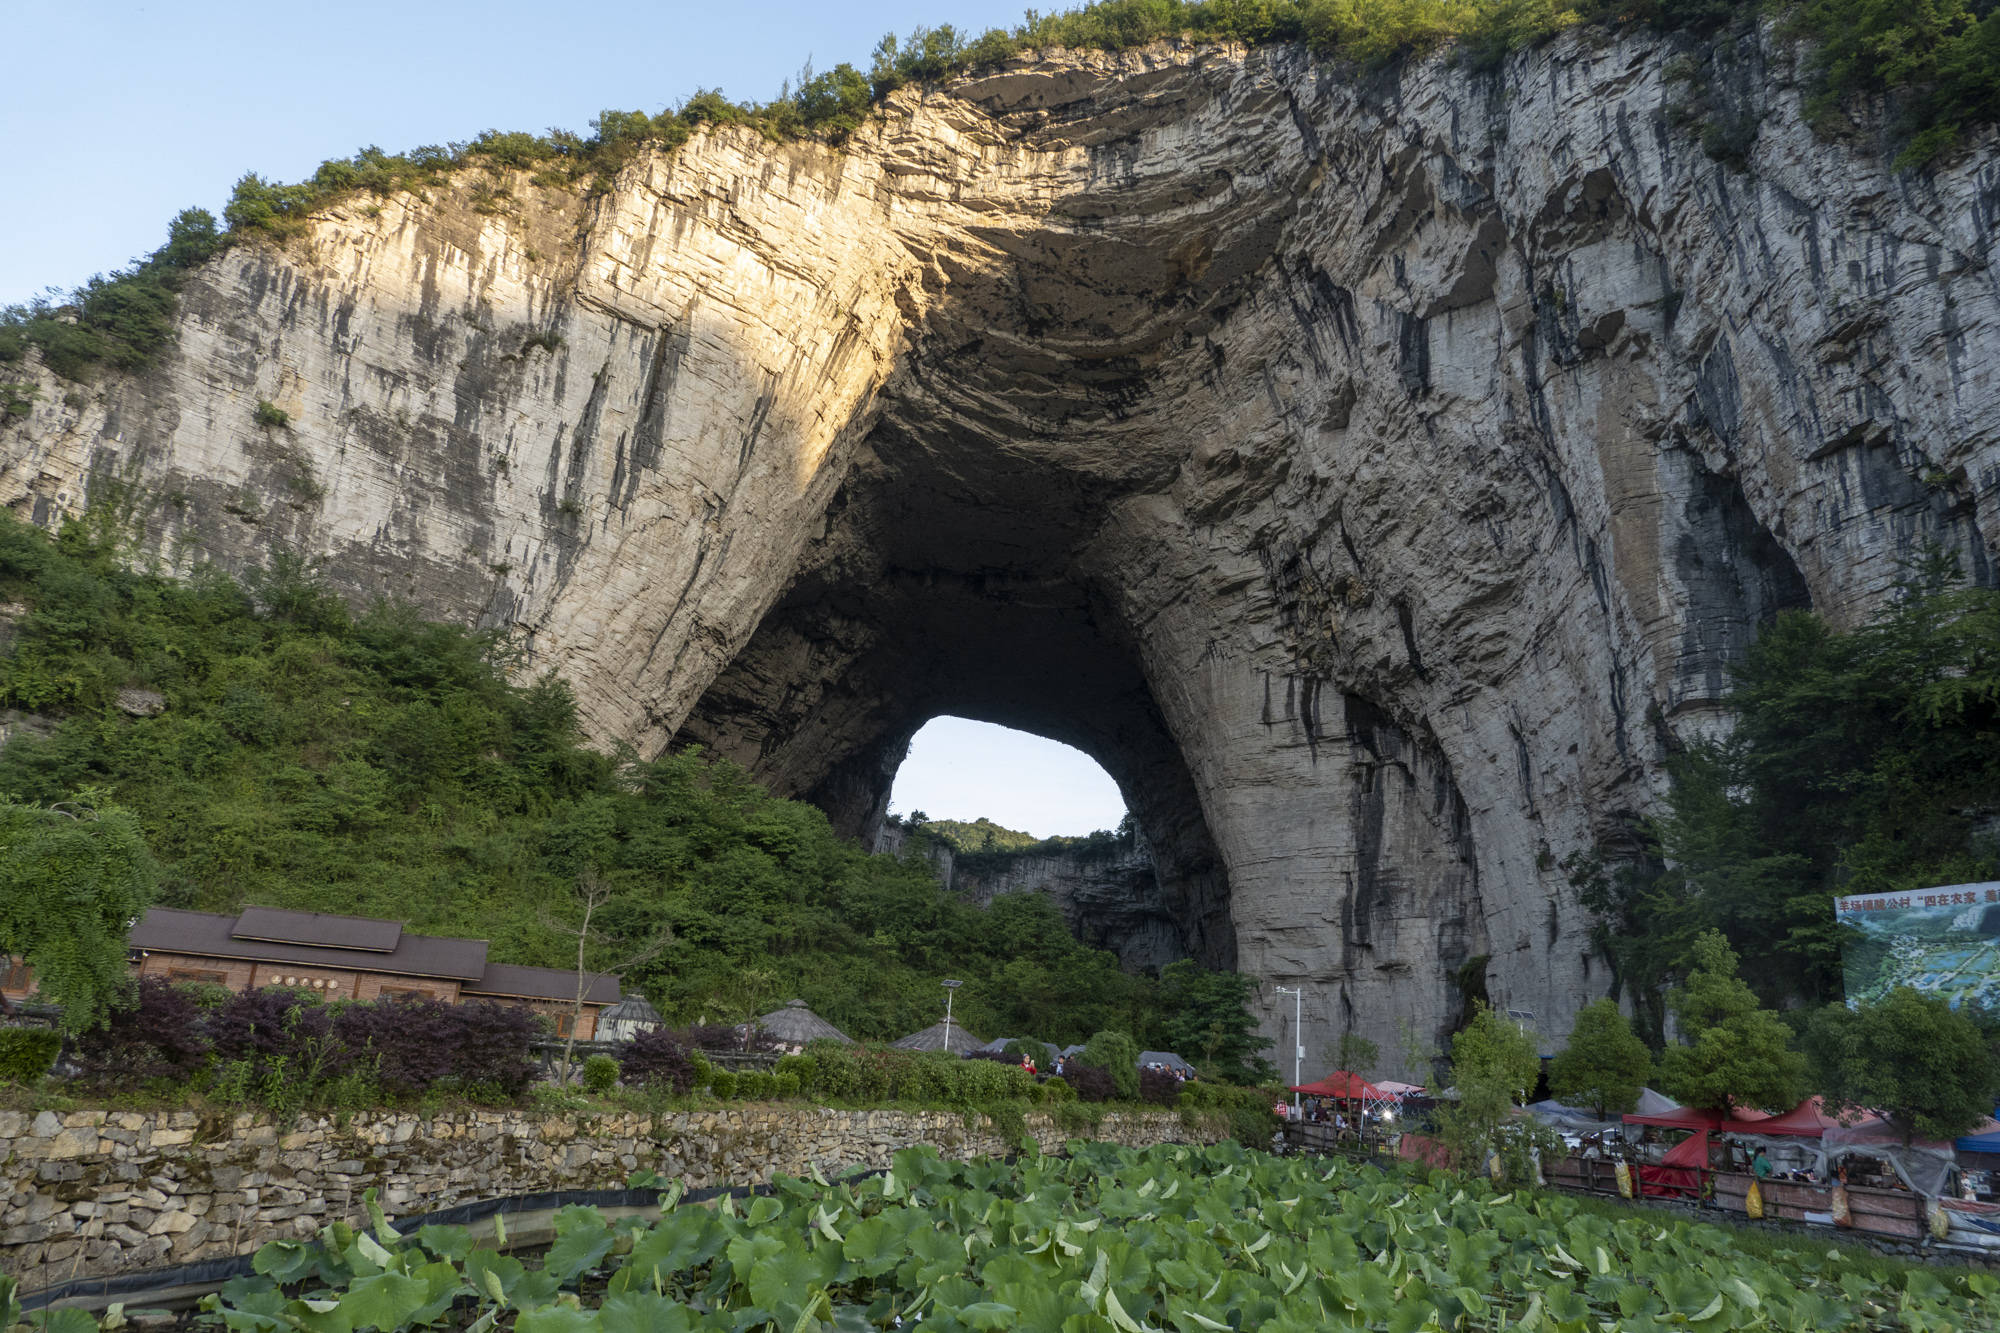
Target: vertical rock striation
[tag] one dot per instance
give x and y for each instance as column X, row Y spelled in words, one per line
column 1377, row 474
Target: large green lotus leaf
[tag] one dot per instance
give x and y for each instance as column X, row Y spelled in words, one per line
column 875, row 1245
column 505, row 1270
column 556, row 1319
column 452, row 1243
column 784, row 1281
column 582, row 1241
column 681, row 1240
column 746, row 1252
column 386, row 1301
column 643, row 1312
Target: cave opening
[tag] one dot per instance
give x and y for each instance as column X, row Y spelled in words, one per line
column 893, row 623
column 1012, row 782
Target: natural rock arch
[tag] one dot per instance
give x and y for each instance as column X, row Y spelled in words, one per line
column 1377, row 476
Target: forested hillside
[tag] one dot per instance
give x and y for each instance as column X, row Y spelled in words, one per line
column 377, row 764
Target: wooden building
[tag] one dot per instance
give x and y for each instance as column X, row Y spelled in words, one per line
column 352, row 958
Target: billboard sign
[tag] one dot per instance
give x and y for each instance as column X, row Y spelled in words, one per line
column 1943, row 941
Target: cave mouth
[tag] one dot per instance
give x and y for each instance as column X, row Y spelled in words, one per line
column 964, row 770
column 869, row 644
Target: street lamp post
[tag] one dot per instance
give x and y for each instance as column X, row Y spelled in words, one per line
column 1298, row 1038
column 949, row 987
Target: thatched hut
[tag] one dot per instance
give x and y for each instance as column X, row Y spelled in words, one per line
column 795, row 1025
column 932, row 1038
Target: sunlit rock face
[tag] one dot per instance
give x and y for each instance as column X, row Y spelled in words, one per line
column 1377, row 475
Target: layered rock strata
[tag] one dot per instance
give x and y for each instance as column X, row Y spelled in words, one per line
column 1376, row 473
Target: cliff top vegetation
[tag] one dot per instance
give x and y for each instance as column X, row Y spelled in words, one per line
column 1936, row 65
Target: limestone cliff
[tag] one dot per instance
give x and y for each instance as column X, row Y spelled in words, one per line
column 1376, row 473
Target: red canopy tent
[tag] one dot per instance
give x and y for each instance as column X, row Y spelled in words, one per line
column 1807, row 1120
column 1340, row 1083
column 1679, row 1172
column 1694, row 1118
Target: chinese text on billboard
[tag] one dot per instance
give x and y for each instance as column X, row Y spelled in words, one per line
column 1945, row 941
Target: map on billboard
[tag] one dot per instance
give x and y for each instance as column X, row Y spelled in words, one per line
column 1945, row 941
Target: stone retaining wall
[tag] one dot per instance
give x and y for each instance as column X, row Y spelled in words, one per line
column 87, row 1193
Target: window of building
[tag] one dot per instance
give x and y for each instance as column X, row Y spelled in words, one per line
column 15, row 974
column 178, row 974
column 419, row 991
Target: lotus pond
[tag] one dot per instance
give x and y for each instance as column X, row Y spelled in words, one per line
column 1106, row 1239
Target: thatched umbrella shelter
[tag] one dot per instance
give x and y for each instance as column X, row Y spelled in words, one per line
column 795, row 1025
column 932, row 1039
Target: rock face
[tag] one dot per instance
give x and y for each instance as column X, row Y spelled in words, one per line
column 1376, row 473
column 1109, row 893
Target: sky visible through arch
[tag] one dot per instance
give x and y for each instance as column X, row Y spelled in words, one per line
column 117, row 115
column 960, row 769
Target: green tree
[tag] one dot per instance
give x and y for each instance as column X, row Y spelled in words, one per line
column 1207, row 1014
column 1493, row 1065
column 1354, row 1053
column 1859, row 763
column 73, row 879
column 1604, row 1065
column 1734, row 1053
column 1117, row 1054
column 1923, row 1066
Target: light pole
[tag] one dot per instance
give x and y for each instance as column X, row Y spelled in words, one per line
column 949, row 987
column 1298, row 1038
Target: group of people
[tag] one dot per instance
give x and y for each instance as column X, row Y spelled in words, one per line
column 1180, row 1072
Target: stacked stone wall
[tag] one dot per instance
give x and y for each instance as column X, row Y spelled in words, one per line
column 89, row 1193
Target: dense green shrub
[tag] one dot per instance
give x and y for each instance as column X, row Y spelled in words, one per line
column 1055, row 1091
column 1118, row 1055
column 801, row 1067
column 785, row 1086
column 600, row 1073
column 754, row 1085
column 270, row 414
column 26, row 1054
column 722, row 1082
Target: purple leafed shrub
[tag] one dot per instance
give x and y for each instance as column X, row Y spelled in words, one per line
column 161, row 1034
column 493, row 1047
column 1091, row 1084
column 1159, row 1086
column 658, row 1058
column 264, row 1025
column 412, row 1040
column 721, row 1037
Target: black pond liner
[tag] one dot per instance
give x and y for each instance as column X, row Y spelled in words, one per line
column 132, row 1288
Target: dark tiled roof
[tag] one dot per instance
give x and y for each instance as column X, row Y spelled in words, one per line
column 169, row 930
column 540, row 983
column 274, row 925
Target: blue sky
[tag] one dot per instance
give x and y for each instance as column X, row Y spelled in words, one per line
column 118, row 115
column 959, row 769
